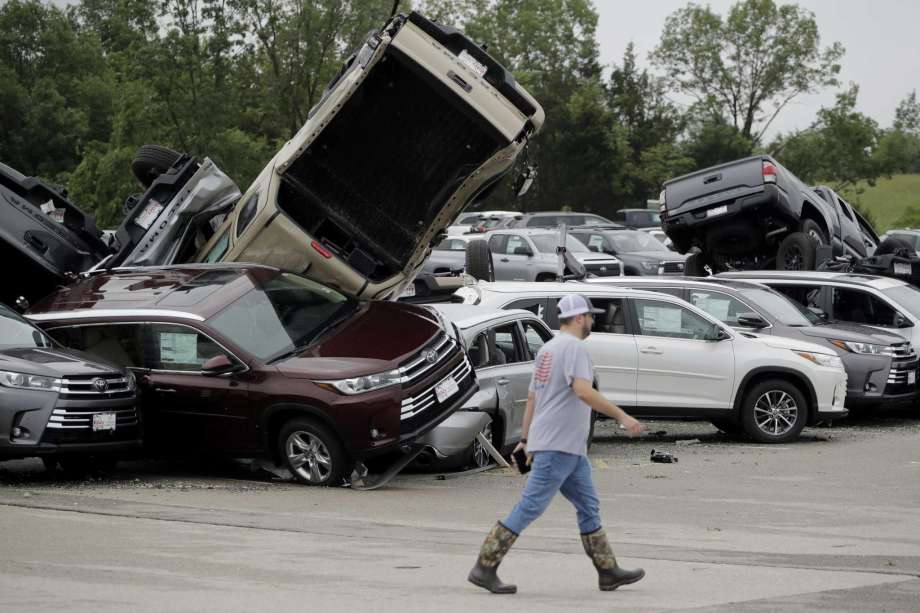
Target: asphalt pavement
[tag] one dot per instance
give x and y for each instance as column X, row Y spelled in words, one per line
column 829, row 523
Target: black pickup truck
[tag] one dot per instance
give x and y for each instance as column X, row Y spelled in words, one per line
column 753, row 213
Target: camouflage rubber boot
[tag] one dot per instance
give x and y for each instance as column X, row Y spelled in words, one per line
column 496, row 545
column 609, row 575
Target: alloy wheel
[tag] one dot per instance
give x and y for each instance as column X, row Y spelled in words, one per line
column 481, row 456
column 793, row 259
column 308, row 456
column 775, row 413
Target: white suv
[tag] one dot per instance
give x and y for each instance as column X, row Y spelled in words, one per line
column 657, row 355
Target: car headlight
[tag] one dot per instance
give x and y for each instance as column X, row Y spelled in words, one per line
column 862, row 348
column 360, row 385
column 649, row 266
column 29, row 382
column 821, row 359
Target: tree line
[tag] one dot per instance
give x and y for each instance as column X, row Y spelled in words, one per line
column 86, row 85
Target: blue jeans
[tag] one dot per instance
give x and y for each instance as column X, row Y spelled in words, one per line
column 557, row 471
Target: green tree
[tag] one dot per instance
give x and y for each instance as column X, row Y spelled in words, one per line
column 747, row 66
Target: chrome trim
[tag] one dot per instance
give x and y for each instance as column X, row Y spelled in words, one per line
column 63, row 419
column 96, row 313
column 416, row 404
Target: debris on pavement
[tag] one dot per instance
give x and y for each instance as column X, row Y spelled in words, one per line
column 663, row 457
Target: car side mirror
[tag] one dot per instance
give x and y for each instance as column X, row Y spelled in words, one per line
column 523, row 251
column 220, row 365
column 819, row 313
column 717, row 334
column 752, row 320
column 902, row 322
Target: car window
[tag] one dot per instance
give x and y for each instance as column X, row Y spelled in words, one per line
column 503, row 346
column 677, row 292
column 173, row 347
column 479, row 351
column 843, row 207
column 657, row 318
column 613, row 319
column 629, row 241
column 805, row 295
column 17, row 332
column 536, row 336
column 723, row 307
column 121, row 344
column 594, row 242
column 859, row 306
column 537, row 306
column 247, row 214
column 543, row 221
column 514, row 243
column 219, row 249
column 451, row 244
column 497, row 243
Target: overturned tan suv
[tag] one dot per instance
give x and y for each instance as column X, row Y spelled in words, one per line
column 420, row 122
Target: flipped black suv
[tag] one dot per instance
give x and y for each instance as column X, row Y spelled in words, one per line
column 753, row 213
column 58, row 404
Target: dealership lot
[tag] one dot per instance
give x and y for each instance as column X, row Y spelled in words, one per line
column 828, row 522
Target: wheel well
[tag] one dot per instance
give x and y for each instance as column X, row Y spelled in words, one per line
column 788, row 376
column 281, row 416
column 809, row 211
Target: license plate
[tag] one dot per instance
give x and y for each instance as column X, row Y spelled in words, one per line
column 472, row 63
column 446, row 388
column 103, row 421
column 902, row 268
column 911, row 377
column 719, row 210
column 149, row 214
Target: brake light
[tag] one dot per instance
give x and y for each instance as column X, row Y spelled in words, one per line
column 769, row 172
column 321, row 250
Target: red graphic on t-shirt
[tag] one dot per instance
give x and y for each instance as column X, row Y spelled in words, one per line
column 541, row 374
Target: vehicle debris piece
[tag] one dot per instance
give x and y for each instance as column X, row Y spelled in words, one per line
column 663, row 457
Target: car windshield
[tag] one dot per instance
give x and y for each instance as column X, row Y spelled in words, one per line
column 280, row 315
column 16, row 332
column 907, row 297
column 630, row 242
column 547, row 243
column 778, row 306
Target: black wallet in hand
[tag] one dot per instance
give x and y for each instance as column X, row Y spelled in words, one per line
column 520, row 458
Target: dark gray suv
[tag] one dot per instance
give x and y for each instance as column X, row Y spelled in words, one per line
column 58, row 404
column 641, row 253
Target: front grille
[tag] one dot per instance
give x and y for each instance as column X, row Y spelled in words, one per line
column 902, row 351
column 444, row 346
column 80, row 418
column 88, row 387
column 416, row 404
column 671, row 268
column 611, row 269
column 424, row 408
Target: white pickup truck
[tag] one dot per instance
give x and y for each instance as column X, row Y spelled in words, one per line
column 658, row 356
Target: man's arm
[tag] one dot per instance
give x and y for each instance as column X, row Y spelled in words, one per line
column 525, row 426
column 594, row 399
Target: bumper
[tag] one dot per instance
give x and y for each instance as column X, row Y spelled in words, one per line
column 873, row 383
column 830, row 392
column 456, row 433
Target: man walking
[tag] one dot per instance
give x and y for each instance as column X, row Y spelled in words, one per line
column 555, row 434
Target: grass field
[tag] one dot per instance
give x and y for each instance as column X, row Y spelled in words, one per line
column 888, row 200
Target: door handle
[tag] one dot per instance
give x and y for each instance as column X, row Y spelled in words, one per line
column 504, row 260
column 503, row 381
column 652, row 350
column 168, row 390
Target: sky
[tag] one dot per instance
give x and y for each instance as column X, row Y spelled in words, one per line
column 881, row 38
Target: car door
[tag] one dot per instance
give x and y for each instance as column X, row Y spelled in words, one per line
column 506, row 367
column 723, row 307
column 510, row 261
column 613, row 350
column 186, row 410
column 677, row 366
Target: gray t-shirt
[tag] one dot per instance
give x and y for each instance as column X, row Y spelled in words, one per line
column 560, row 420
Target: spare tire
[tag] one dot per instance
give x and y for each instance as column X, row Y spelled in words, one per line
column 895, row 246
column 151, row 161
column 479, row 260
column 796, row 252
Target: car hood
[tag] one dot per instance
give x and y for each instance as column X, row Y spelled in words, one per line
column 379, row 336
column 793, row 344
column 51, row 362
column 856, row 333
column 661, row 256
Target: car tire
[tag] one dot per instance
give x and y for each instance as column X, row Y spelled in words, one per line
column 774, row 411
column 313, row 454
column 796, row 252
column 813, row 229
column 477, row 455
column 151, row 161
column 696, row 265
column 479, row 263
column 895, row 246
column 728, row 426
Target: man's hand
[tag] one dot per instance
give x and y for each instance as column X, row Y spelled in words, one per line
column 522, row 446
column 632, row 425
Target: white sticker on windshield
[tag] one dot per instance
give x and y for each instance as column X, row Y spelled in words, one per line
column 178, row 348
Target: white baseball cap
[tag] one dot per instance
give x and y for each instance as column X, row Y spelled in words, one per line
column 571, row 305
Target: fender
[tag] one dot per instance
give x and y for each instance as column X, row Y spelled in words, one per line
column 307, row 410
column 812, row 397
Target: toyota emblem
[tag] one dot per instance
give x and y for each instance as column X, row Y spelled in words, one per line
column 100, row 385
column 431, row 356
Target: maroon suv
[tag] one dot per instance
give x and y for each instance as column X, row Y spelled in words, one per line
column 251, row 361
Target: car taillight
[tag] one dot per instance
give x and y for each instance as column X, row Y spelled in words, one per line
column 769, row 172
column 321, row 250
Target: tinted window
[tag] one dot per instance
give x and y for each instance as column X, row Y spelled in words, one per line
column 219, row 249
column 779, row 307
column 670, row 320
column 805, row 295
column 247, row 214
column 536, row 336
column 613, row 319
column 284, row 313
column 516, row 242
column 497, row 243
column 121, row 344
column 907, row 296
column 862, row 307
column 16, row 332
column 543, row 221
column 534, row 305
column 723, row 307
